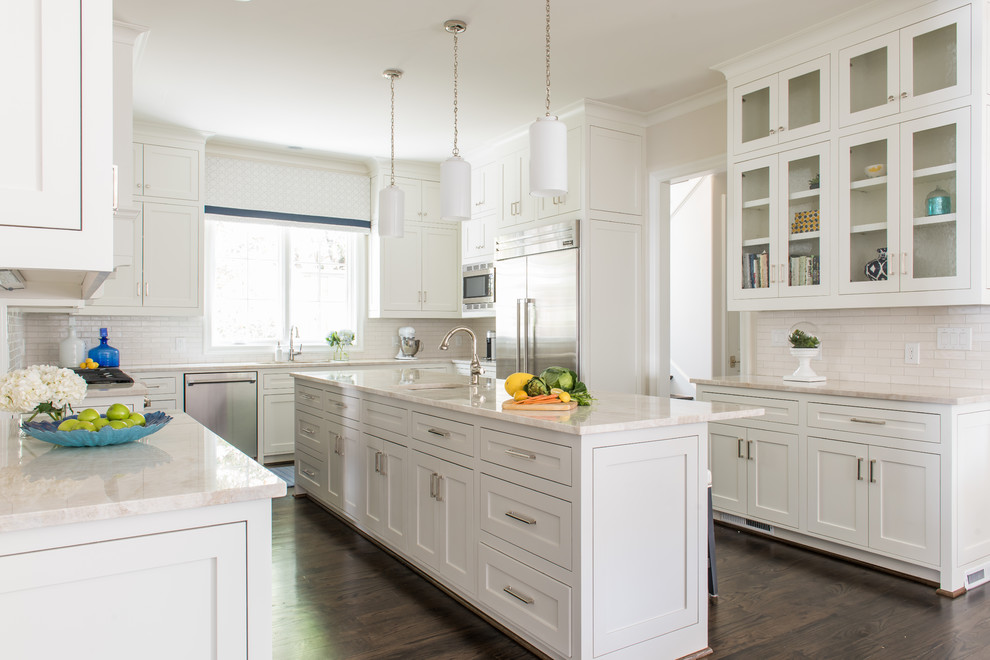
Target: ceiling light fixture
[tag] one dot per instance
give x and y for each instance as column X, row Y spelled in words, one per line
column 548, row 147
column 391, row 200
column 455, row 172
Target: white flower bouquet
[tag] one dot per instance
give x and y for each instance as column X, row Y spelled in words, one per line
column 338, row 339
column 41, row 388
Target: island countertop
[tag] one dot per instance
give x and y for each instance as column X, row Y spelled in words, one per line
column 182, row 466
column 610, row 412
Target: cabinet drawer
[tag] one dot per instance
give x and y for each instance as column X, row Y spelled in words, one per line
column 159, row 386
column 348, row 407
column 311, row 397
column 311, row 433
column 442, row 432
column 528, row 598
column 311, row 472
column 904, row 424
column 277, row 381
column 784, row 411
column 534, row 521
column 535, row 457
column 390, row 418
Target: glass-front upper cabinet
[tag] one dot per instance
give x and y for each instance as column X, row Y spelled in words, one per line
column 904, row 206
column 924, row 63
column 786, row 106
column 780, row 221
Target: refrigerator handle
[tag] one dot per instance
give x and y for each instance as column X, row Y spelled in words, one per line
column 520, row 338
column 530, row 335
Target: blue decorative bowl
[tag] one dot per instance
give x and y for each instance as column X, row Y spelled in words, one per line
column 48, row 431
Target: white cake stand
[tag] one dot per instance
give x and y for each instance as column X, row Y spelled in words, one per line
column 804, row 373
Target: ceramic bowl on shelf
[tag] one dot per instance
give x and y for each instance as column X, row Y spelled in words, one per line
column 875, row 170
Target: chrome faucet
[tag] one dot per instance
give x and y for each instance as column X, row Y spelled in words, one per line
column 294, row 331
column 475, row 364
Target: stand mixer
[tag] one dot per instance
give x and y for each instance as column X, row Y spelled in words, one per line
column 408, row 344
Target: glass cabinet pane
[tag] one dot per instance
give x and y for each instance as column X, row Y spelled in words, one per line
column 755, row 227
column 934, row 56
column 804, row 103
column 756, row 114
column 868, row 80
column 868, row 211
column 934, row 202
column 804, row 247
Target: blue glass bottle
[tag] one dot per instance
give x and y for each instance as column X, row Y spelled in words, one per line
column 104, row 354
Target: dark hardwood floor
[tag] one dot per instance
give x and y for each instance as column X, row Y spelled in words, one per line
column 337, row 596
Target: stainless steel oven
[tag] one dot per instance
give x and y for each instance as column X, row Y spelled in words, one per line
column 478, row 286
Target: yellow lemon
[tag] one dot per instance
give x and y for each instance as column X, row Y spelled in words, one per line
column 516, row 382
column 564, row 397
column 520, row 395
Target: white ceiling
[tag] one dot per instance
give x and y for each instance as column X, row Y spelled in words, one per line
column 307, row 73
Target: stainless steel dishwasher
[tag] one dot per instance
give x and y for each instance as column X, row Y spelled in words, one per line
column 227, row 404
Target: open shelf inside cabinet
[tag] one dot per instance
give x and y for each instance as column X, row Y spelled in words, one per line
column 868, row 227
column 804, row 194
column 756, row 203
column 805, row 236
column 756, row 242
column 945, row 218
column 864, row 184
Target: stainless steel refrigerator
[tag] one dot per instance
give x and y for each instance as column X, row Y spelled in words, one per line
column 536, row 299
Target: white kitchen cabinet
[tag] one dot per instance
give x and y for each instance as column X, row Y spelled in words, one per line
column 616, row 173
column 922, row 64
column 164, row 389
column 442, row 519
column 386, row 466
column 168, row 172
column 518, row 206
column 755, row 472
column 420, row 272
column 569, row 202
column 883, row 498
column 421, row 202
column 166, row 270
column 486, row 189
column 278, row 411
column 889, row 215
column 478, row 239
column 56, row 176
column 782, row 107
column 780, row 223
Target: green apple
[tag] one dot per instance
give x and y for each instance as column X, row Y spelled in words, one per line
column 100, row 422
column 85, row 426
column 67, row 425
column 137, row 418
column 117, row 424
column 88, row 415
column 127, row 422
column 118, row 411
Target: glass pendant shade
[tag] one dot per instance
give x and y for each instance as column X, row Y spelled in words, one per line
column 391, row 211
column 455, row 190
column 547, row 157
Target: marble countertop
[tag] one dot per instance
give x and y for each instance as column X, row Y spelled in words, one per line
column 610, row 412
column 883, row 391
column 298, row 364
column 182, row 466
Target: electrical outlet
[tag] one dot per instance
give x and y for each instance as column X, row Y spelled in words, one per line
column 912, row 353
column 180, row 343
column 778, row 338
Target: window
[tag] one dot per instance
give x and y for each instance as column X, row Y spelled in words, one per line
column 265, row 277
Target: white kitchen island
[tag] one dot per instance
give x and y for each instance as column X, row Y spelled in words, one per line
column 583, row 532
column 159, row 548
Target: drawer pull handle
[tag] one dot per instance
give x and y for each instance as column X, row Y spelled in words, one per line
column 739, row 444
column 859, row 469
column 336, row 403
column 521, row 518
column 440, row 432
column 308, row 396
column 307, row 430
column 872, row 465
column 153, row 387
column 308, row 473
column 512, row 592
column 878, row 422
column 521, row 454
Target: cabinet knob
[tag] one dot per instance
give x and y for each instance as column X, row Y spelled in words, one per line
column 773, row 132
column 904, row 95
column 780, row 129
column 147, row 185
column 891, row 98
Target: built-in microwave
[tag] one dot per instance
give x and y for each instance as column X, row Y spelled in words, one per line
column 478, row 286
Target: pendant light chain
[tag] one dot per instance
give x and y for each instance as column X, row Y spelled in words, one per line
column 548, row 58
column 456, row 152
column 391, row 84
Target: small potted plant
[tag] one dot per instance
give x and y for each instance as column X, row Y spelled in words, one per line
column 804, row 347
column 814, row 182
column 338, row 340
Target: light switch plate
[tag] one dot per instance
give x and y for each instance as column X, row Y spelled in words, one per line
column 955, row 339
column 778, row 337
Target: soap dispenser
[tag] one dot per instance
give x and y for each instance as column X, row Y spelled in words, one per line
column 104, row 354
column 72, row 349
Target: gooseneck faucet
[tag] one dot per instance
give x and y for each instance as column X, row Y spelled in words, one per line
column 475, row 364
column 294, row 332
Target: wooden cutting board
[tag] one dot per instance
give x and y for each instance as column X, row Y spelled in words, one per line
column 513, row 405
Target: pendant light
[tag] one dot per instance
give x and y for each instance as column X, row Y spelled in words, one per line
column 455, row 172
column 391, row 200
column 548, row 147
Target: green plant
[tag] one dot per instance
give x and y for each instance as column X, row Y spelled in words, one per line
column 815, row 181
column 800, row 339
